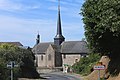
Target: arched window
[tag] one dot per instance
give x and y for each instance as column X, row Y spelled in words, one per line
column 49, row 57
column 41, row 57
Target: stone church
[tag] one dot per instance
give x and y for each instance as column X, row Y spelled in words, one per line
column 60, row 52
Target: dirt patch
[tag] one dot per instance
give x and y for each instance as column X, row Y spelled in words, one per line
column 94, row 75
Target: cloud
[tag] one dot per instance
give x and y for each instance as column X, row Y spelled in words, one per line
column 71, row 7
column 68, row 2
column 19, row 27
column 9, row 5
column 25, row 30
column 34, row 7
column 52, row 0
column 16, row 24
column 56, row 8
column 73, row 1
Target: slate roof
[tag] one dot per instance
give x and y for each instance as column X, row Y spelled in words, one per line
column 74, row 47
column 13, row 43
column 66, row 47
column 41, row 47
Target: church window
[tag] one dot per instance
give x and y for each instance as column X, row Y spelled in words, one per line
column 64, row 56
column 41, row 57
column 49, row 57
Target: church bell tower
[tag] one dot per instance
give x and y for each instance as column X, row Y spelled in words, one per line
column 38, row 39
column 59, row 38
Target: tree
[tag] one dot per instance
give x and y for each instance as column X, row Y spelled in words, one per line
column 27, row 67
column 102, row 29
column 8, row 53
column 23, row 57
column 3, row 70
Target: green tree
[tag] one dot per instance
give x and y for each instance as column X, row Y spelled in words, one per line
column 8, row 53
column 3, row 70
column 27, row 67
column 102, row 29
column 23, row 57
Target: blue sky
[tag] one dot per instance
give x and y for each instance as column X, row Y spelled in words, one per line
column 20, row 20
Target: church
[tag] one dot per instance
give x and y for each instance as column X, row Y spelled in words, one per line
column 60, row 52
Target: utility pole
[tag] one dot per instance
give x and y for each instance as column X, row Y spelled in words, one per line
column 11, row 65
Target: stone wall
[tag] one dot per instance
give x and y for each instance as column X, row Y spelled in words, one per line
column 70, row 59
column 41, row 63
column 50, row 54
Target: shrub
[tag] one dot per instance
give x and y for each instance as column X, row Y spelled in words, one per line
column 85, row 65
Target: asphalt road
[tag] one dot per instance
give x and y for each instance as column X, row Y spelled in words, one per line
column 60, row 76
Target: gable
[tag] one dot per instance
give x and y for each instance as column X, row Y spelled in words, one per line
column 41, row 47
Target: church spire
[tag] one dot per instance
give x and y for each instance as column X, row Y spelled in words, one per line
column 59, row 37
column 59, row 31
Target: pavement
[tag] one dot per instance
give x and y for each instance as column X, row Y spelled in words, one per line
column 58, row 76
column 76, row 75
column 61, row 76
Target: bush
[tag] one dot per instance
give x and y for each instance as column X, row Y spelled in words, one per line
column 85, row 65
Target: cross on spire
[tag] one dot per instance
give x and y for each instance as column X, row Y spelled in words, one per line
column 58, row 5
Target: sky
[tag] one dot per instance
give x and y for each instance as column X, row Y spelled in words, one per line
column 21, row 20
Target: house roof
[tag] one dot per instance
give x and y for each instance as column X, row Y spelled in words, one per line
column 74, row 47
column 66, row 47
column 13, row 43
column 41, row 47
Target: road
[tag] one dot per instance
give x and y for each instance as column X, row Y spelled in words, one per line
column 60, row 76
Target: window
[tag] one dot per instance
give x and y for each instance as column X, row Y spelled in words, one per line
column 41, row 57
column 64, row 56
column 76, row 60
column 49, row 57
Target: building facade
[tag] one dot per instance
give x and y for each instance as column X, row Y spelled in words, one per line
column 49, row 55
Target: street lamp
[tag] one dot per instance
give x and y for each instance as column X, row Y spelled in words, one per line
column 11, row 65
